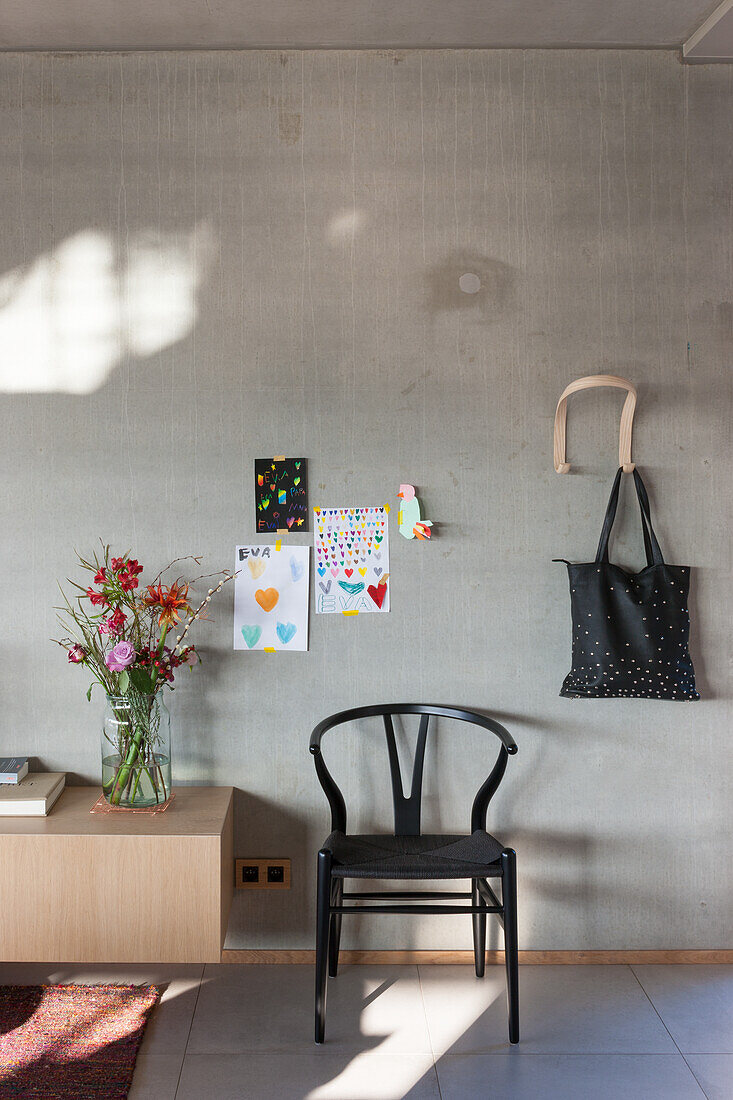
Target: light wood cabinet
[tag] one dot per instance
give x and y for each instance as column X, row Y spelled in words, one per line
column 83, row 887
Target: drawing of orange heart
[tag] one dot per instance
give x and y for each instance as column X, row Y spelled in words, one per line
column 256, row 567
column 267, row 598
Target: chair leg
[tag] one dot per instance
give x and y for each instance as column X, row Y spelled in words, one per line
column 334, row 936
column 509, row 899
column 479, row 933
column 323, row 920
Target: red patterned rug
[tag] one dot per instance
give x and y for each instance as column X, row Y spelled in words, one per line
column 71, row 1042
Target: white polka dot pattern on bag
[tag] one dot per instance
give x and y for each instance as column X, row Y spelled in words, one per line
column 637, row 660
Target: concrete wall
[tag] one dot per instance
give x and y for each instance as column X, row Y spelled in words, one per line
column 208, row 258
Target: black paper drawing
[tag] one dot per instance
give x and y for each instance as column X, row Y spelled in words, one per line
column 281, row 494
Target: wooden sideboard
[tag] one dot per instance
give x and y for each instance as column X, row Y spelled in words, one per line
column 118, row 887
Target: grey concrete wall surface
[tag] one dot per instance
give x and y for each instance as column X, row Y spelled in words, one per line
column 345, row 24
column 214, row 257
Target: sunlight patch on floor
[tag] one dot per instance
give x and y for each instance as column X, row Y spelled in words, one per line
column 382, row 1073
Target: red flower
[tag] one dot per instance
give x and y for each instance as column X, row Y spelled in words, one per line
column 172, row 601
column 118, row 619
column 116, row 622
column 100, row 576
column 129, row 568
column 128, row 581
column 98, row 599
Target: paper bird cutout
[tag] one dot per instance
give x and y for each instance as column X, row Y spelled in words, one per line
column 408, row 518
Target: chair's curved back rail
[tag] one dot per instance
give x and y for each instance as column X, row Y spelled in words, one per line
column 407, row 807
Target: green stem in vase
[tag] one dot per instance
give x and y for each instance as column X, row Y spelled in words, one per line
column 153, row 782
column 162, row 782
column 140, row 735
column 124, row 771
column 137, row 784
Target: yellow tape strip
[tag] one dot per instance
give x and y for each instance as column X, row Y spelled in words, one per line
column 350, row 613
column 278, row 545
column 269, row 649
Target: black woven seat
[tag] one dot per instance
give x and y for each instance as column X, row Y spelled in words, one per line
column 474, row 855
column 409, row 854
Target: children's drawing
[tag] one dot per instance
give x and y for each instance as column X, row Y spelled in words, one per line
column 281, row 494
column 267, row 598
column 408, row 518
column 351, row 560
column 271, row 597
column 378, row 592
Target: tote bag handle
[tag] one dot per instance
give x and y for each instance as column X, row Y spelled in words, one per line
column 651, row 545
column 591, row 381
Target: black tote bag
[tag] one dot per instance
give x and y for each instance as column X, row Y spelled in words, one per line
column 630, row 630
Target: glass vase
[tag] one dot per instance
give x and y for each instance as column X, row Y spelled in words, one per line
column 136, row 750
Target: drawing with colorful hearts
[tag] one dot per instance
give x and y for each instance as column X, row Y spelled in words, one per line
column 281, row 494
column 351, row 560
column 271, row 598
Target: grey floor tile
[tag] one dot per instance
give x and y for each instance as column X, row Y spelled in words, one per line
column 696, row 1004
column 170, row 1022
column 563, row 1009
column 271, row 1008
column 320, row 1075
column 261, row 1008
column 714, row 1073
column 566, row 1077
column 156, row 1077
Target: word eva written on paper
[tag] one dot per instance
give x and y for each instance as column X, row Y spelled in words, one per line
column 281, row 494
column 271, row 597
column 351, row 560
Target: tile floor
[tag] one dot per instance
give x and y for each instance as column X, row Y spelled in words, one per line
column 597, row 1032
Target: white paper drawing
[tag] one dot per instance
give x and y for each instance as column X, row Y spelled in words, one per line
column 351, row 560
column 271, row 597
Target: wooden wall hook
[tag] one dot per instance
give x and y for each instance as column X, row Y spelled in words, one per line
column 591, row 381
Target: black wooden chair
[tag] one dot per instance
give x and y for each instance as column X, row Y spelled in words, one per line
column 408, row 854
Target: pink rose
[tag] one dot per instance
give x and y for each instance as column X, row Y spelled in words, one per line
column 119, row 658
column 77, row 654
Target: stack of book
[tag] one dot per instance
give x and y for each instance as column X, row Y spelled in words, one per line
column 24, row 793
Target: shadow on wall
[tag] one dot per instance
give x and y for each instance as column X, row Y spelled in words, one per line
column 263, row 829
column 67, row 319
column 470, row 281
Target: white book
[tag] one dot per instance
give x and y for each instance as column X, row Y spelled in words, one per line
column 33, row 796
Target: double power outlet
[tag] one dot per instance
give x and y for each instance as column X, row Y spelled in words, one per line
column 262, row 874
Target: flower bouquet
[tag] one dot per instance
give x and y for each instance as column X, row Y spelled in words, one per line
column 119, row 633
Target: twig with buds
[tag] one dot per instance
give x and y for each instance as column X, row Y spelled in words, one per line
column 197, row 613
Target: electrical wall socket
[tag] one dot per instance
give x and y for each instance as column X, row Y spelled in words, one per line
column 262, row 874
